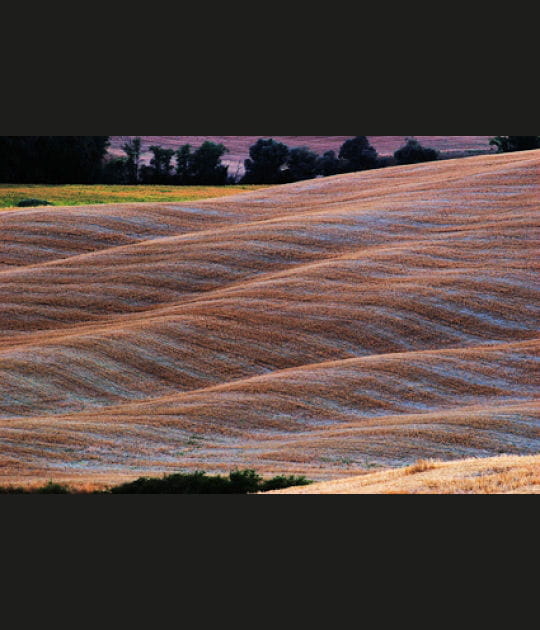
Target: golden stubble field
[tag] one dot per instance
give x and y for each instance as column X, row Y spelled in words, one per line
column 493, row 475
column 325, row 328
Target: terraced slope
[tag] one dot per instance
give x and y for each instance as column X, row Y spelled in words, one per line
column 318, row 328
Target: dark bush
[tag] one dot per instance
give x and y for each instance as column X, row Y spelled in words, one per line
column 133, row 150
column 301, row 164
column 267, row 162
column 414, row 153
column 160, row 169
column 52, row 159
column 244, row 481
column 357, row 154
column 50, row 488
column 184, row 156
column 329, row 164
column 279, row 483
column 33, row 203
column 385, row 161
column 193, row 483
column 203, row 167
column 508, row 144
column 238, row 482
column 116, row 171
column 53, row 488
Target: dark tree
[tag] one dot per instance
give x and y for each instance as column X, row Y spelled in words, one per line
column 147, row 174
column 203, row 166
column 133, row 150
column 206, row 168
column 160, row 165
column 116, row 170
column 13, row 152
column 358, row 154
column 413, row 153
column 183, row 164
column 52, row 159
column 508, row 144
column 329, row 164
column 266, row 163
column 301, row 164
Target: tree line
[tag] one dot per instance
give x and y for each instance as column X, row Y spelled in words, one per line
column 269, row 162
column 85, row 160
column 52, row 159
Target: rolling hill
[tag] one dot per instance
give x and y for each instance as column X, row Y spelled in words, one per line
column 320, row 328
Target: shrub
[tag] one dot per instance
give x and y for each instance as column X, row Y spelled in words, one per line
column 329, row 164
column 358, row 155
column 413, row 153
column 192, row 483
column 183, row 164
column 244, row 481
column 508, row 144
column 279, row 483
column 52, row 488
column 115, row 171
column 32, row 203
column 237, row 482
column 133, row 150
column 160, row 169
column 12, row 490
column 266, row 163
column 301, row 164
column 52, row 159
column 202, row 167
column 385, row 161
column 49, row 488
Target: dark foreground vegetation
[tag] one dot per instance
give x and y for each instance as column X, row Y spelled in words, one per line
column 509, row 144
column 52, row 159
column 33, row 203
column 237, row 482
column 85, row 160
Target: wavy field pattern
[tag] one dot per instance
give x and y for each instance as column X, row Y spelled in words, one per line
column 317, row 328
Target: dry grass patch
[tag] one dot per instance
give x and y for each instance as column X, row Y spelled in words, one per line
column 422, row 465
column 500, row 475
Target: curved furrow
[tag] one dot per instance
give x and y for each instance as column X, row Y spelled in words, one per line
column 269, row 326
column 334, row 392
column 389, row 315
column 86, row 449
column 150, row 274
